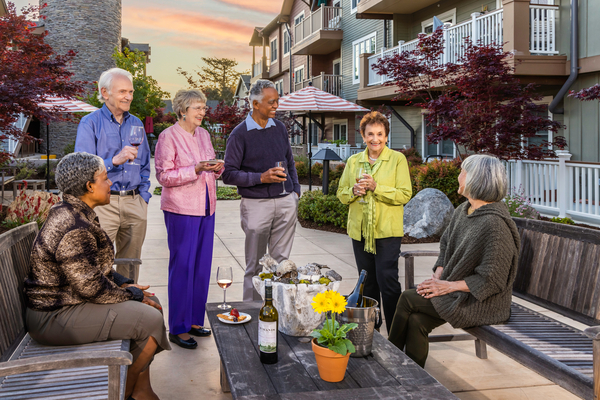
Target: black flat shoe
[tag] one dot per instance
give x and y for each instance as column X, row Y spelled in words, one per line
column 202, row 331
column 186, row 344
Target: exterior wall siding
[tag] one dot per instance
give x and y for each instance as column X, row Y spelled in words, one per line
column 399, row 135
column 582, row 120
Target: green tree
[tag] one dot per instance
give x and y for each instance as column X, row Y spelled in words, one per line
column 147, row 95
column 217, row 79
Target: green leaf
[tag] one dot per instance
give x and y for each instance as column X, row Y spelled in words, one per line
column 339, row 348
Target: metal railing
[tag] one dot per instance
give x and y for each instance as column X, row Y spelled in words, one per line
column 559, row 187
column 326, row 82
column 325, row 18
column 485, row 29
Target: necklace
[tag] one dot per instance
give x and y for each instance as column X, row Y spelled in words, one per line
column 373, row 159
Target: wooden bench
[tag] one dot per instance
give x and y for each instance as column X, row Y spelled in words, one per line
column 31, row 184
column 559, row 269
column 29, row 370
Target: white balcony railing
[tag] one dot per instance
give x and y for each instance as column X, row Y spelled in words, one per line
column 485, row 29
column 326, row 82
column 324, row 18
column 559, row 187
column 10, row 144
column 260, row 67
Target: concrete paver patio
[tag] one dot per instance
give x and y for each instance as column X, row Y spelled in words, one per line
column 183, row 374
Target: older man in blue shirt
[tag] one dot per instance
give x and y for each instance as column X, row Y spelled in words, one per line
column 105, row 132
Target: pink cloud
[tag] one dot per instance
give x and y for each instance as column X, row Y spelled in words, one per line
column 266, row 6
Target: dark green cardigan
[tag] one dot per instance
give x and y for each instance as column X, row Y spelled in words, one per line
column 483, row 250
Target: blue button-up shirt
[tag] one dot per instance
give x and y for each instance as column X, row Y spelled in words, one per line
column 252, row 124
column 99, row 133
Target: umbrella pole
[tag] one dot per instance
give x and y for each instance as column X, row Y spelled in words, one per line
column 309, row 152
column 48, row 157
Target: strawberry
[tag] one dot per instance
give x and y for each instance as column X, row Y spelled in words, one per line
column 235, row 314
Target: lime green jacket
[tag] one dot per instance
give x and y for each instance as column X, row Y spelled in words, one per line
column 393, row 191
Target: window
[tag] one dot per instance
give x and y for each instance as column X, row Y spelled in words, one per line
column 449, row 17
column 279, row 87
column 445, row 148
column 299, row 18
column 286, row 42
column 299, row 74
column 354, row 5
column 313, row 131
column 274, row 50
column 542, row 136
column 360, row 46
column 340, row 130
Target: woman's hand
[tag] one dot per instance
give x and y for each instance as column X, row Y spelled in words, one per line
column 152, row 303
column 204, row 166
column 368, row 182
column 143, row 288
column 435, row 287
column 358, row 190
column 438, row 273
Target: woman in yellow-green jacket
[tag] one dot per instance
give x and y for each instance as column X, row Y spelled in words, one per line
column 375, row 220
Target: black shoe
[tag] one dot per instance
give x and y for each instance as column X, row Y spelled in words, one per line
column 186, row 344
column 202, row 331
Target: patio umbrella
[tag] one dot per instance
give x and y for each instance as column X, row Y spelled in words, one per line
column 312, row 99
column 61, row 105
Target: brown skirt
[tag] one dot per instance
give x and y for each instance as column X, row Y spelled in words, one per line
column 89, row 322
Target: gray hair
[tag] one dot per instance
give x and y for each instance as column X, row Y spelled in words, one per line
column 75, row 170
column 184, row 98
column 486, row 178
column 106, row 80
column 256, row 90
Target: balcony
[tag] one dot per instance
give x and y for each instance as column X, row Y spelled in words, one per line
column 260, row 70
column 319, row 33
column 539, row 59
column 393, row 6
column 326, row 82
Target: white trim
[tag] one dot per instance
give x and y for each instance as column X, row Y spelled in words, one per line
column 499, row 4
column 354, row 9
column 445, row 15
column 279, row 82
column 336, row 61
column 296, row 17
column 339, row 3
column 355, row 79
column 285, row 33
column 296, row 70
column 276, row 48
column 340, row 122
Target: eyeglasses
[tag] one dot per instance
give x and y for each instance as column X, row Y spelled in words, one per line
column 199, row 108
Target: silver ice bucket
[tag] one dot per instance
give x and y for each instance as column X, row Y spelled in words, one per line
column 366, row 318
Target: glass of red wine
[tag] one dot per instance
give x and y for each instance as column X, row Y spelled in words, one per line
column 136, row 137
column 224, row 280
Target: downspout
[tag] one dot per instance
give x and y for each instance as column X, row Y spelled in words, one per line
column 287, row 28
column 385, row 33
column 406, row 124
column 574, row 60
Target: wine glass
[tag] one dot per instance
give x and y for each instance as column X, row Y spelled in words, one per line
column 136, row 137
column 224, row 280
column 359, row 175
column 283, row 164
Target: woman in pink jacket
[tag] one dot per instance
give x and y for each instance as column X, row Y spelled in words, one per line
column 188, row 201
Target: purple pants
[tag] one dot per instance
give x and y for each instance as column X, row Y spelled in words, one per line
column 190, row 241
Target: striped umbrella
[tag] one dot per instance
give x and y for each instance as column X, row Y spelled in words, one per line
column 312, row 99
column 61, row 105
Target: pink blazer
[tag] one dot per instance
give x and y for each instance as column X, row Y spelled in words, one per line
column 176, row 155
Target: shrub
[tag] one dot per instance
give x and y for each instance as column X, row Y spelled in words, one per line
column 227, row 193
column 316, row 169
column 70, row 148
column 25, row 170
column 441, row 175
column 567, row 221
column 334, row 185
column 27, row 208
column 519, row 205
column 322, row 209
column 412, row 156
column 157, row 191
column 336, row 172
column 42, row 168
column 302, row 169
column 161, row 126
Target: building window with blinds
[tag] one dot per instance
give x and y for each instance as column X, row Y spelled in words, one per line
column 286, row 43
column 363, row 45
column 273, row 50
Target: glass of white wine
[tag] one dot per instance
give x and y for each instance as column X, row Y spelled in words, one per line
column 224, row 280
column 359, row 175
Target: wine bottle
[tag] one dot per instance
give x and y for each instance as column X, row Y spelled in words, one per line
column 355, row 299
column 268, row 327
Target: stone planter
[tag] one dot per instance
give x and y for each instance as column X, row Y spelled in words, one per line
column 296, row 315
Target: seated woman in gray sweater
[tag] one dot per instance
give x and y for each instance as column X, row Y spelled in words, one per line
column 474, row 274
column 74, row 296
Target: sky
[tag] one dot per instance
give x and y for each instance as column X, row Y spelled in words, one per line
column 180, row 32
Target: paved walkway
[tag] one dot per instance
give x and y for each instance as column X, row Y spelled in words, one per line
column 186, row 374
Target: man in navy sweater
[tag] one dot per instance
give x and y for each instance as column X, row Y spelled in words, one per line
column 253, row 149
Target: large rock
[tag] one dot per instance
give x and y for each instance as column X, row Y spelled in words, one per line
column 427, row 214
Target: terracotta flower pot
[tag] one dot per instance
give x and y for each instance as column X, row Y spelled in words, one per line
column 332, row 366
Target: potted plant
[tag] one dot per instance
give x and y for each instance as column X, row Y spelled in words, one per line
column 331, row 347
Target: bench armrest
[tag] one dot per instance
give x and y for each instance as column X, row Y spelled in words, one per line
column 593, row 332
column 409, row 264
column 63, row 361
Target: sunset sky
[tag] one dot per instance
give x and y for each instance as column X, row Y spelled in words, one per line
column 181, row 32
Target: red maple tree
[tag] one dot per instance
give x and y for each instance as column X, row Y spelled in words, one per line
column 477, row 103
column 591, row 93
column 30, row 72
column 219, row 121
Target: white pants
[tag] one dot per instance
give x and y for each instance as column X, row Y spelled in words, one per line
column 267, row 223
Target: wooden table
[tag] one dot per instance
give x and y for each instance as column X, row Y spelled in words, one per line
column 386, row 374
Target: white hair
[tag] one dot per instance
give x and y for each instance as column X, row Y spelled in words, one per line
column 256, row 90
column 106, row 80
column 486, row 178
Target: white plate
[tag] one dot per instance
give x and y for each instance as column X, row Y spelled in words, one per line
column 213, row 162
column 248, row 318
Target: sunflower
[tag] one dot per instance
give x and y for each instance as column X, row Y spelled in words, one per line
column 338, row 303
column 321, row 303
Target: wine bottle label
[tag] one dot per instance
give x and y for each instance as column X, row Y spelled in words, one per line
column 267, row 336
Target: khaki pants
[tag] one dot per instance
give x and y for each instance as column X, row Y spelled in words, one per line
column 267, row 222
column 125, row 220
